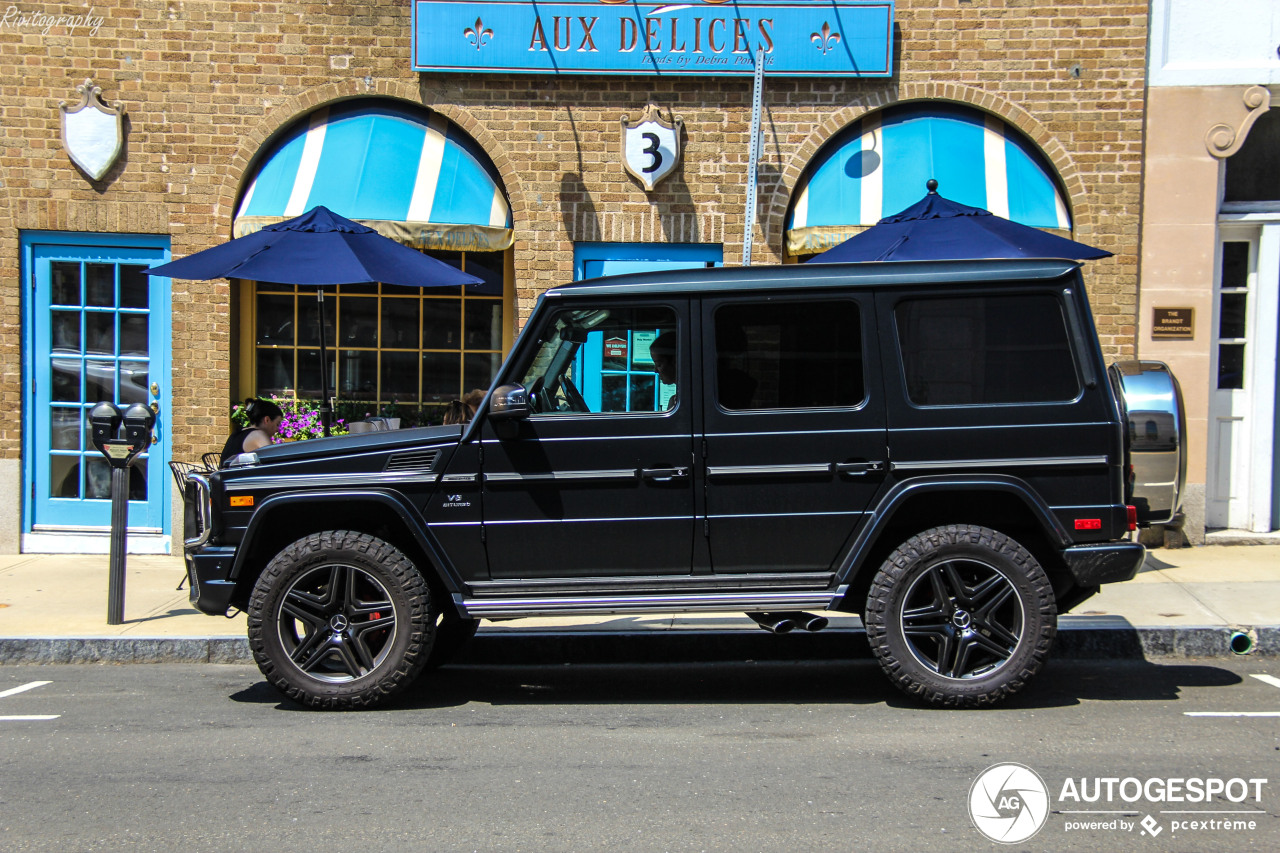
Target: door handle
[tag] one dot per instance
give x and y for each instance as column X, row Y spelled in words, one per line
column 857, row 469
column 664, row 475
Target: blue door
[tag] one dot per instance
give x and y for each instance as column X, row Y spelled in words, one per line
column 97, row 329
column 592, row 260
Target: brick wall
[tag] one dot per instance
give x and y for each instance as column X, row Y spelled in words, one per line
column 206, row 84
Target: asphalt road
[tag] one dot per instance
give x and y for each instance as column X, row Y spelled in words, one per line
column 629, row 757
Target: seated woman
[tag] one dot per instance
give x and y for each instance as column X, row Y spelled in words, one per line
column 264, row 422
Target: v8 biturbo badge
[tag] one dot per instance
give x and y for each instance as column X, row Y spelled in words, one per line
column 651, row 146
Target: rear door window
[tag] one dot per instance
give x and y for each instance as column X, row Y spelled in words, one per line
column 789, row 355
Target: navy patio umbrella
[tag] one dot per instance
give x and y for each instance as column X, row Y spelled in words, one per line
column 937, row 228
column 317, row 248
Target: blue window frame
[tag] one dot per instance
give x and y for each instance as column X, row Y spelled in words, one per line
column 617, row 373
column 592, row 260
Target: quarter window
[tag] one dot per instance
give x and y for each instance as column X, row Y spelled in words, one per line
column 789, row 355
column 986, row 350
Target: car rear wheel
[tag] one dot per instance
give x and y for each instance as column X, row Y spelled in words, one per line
column 961, row 616
column 341, row 620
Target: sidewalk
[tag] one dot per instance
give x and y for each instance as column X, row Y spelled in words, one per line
column 1187, row 603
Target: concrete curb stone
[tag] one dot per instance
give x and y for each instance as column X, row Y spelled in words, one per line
column 520, row 647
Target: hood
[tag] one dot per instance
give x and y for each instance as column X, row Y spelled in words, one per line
column 360, row 443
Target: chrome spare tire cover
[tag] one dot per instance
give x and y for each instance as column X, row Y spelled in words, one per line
column 1156, row 440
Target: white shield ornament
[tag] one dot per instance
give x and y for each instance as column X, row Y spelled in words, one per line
column 651, row 146
column 92, row 132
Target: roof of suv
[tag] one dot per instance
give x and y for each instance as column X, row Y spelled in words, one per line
column 891, row 273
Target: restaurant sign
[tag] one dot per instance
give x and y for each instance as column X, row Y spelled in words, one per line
column 800, row 38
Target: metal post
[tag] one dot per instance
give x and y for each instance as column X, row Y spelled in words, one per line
column 757, row 97
column 119, row 542
column 326, row 406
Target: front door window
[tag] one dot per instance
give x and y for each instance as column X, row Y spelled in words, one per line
column 98, row 334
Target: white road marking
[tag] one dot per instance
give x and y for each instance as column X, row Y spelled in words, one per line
column 23, row 689
column 1268, row 679
column 1232, row 713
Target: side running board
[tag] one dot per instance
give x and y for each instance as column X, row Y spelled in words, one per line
column 727, row 602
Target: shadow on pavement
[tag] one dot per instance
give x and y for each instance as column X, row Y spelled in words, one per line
column 1071, row 682
column 637, row 678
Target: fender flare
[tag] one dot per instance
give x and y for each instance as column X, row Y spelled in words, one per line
column 897, row 496
column 411, row 518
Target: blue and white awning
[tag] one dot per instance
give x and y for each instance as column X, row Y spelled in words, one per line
column 880, row 165
column 413, row 177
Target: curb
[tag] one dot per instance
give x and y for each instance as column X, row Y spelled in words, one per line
column 529, row 647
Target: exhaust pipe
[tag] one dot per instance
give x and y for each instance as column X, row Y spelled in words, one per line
column 774, row 623
column 783, row 623
column 809, row 621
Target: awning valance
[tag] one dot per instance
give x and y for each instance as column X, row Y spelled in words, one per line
column 412, row 177
column 880, row 165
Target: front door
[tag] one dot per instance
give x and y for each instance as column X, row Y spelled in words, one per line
column 98, row 331
column 598, row 479
column 1242, row 410
column 795, row 429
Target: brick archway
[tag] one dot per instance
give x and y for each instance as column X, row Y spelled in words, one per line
column 299, row 106
column 779, row 200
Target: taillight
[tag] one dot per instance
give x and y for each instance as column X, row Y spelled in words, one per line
column 1132, row 513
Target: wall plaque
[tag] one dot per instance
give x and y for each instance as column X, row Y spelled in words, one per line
column 1173, row 324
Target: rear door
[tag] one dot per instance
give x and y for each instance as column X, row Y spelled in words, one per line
column 794, row 444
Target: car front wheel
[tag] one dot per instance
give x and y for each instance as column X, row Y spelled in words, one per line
column 961, row 616
column 341, row 620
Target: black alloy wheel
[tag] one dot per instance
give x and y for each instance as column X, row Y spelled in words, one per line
column 337, row 623
column 961, row 616
column 341, row 620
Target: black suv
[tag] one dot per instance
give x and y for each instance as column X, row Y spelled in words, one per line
column 938, row 447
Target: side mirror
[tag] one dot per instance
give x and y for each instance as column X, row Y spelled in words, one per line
column 104, row 421
column 509, row 403
column 138, row 420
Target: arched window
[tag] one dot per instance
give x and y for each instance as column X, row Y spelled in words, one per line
column 880, row 164
column 416, row 178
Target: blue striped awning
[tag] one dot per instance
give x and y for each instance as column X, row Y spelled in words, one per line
column 413, row 177
column 880, row 165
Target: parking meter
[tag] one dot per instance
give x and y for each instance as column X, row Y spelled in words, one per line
column 138, row 420
column 105, row 420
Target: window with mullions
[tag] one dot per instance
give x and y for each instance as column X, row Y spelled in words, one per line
column 387, row 344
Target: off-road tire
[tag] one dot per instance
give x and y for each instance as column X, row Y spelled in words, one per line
column 294, row 583
column 924, row 590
